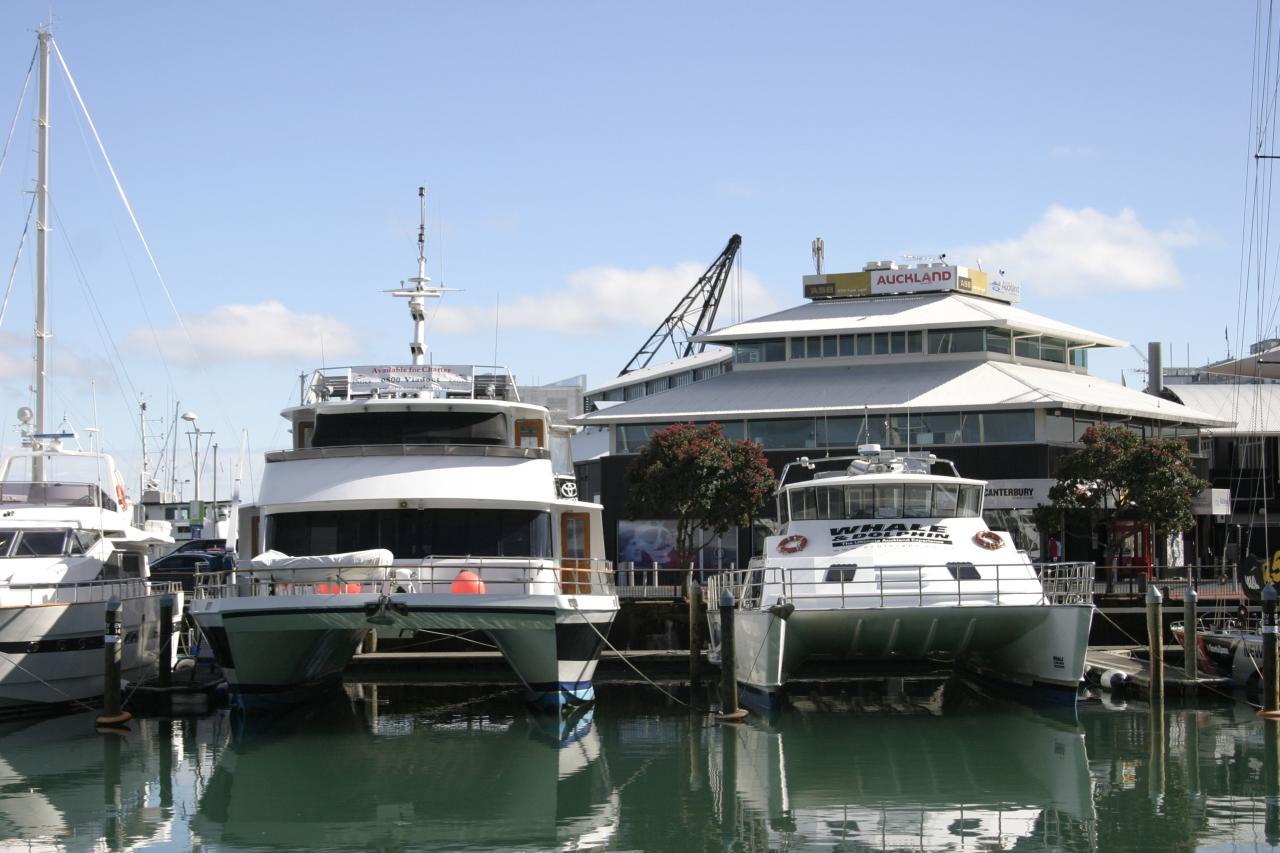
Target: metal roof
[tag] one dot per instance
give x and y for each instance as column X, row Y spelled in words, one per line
column 1248, row 408
column 712, row 355
column 936, row 385
column 884, row 313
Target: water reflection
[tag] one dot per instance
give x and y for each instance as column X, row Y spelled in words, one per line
column 894, row 765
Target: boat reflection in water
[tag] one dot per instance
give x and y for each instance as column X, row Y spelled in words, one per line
column 889, row 767
column 349, row 775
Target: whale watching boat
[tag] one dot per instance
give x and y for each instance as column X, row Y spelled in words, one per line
column 418, row 497
column 882, row 562
column 68, row 545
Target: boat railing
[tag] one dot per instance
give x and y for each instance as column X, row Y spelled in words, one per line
column 459, row 575
column 80, row 592
column 907, row 586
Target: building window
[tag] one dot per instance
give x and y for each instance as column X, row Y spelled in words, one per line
column 1053, row 349
column 846, row 345
column 915, row 341
column 755, row 352
column 789, row 433
column 797, row 347
column 864, row 344
column 1008, row 426
column 829, row 346
column 882, row 343
column 682, row 379
column 897, row 342
column 956, row 340
column 633, row 392
column 1028, row 347
column 653, row 386
column 813, row 347
column 999, row 340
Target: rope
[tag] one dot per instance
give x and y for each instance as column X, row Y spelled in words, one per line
column 13, row 272
column 574, row 604
column 26, row 82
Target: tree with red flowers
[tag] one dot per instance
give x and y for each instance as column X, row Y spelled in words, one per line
column 701, row 478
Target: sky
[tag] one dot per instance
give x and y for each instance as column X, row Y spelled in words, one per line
column 584, row 163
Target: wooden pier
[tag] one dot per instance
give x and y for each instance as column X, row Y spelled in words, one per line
column 1135, row 671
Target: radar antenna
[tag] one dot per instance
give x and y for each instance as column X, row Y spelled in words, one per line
column 693, row 314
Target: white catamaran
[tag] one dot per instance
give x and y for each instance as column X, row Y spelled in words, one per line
column 415, row 497
column 883, row 562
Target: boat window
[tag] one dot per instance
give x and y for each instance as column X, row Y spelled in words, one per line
column 40, row 543
column 964, row 571
column 804, row 506
column 970, row 505
column 830, row 502
column 841, row 574
column 784, row 512
column 413, row 533
column 945, row 497
column 430, row 426
column 859, row 501
column 917, row 501
column 7, row 538
column 888, row 501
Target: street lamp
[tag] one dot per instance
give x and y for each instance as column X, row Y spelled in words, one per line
column 190, row 417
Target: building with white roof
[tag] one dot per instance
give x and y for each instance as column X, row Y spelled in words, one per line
column 930, row 357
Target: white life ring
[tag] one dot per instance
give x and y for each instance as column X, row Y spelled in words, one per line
column 793, row 543
column 988, row 539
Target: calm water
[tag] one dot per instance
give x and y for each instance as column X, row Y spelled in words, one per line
column 887, row 766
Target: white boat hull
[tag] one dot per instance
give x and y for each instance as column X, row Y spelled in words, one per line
column 51, row 654
column 272, row 648
column 1032, row 646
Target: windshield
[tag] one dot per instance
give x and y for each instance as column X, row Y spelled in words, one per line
column 34, row 543
column 886, row 500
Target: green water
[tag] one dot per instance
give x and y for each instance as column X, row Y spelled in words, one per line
column 886, row 766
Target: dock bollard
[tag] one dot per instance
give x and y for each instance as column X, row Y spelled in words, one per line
column 165, row 676
column 1155, row 642
column 1270, row 695
column 113, row 655
column 1190, row 659
column 695, row 644
column 728, row 673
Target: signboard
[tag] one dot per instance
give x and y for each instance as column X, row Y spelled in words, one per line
column 926, row 278
column 411, row 377
column 1017, row 494
column 1212, row 502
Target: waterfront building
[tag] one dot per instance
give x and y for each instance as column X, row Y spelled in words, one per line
column 930, row 357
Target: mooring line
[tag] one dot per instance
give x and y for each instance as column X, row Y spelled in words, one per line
column 574, row 605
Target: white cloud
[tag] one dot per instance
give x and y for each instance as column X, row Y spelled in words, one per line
column 65, row 363
column 1076, row 250
column 267, row 331
column 603, row 299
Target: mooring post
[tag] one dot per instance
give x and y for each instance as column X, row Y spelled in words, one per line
column 112, row 656
column 728, row 673
column 1270, row 696
column 1190, row 659
column 1155, row 642
column 695, row 637
column 165, row 676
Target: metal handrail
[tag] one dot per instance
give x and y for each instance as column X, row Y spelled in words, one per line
column 909, row 586
column 566, row 576
column 86, row 591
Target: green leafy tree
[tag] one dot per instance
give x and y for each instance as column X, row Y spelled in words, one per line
column 1119, row 476
column 699, row 477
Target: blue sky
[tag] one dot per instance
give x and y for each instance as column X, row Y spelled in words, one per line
column 585, row 162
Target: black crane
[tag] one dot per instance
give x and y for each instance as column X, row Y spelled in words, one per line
column 693, row 314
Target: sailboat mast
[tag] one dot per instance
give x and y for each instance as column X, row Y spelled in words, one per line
column 42, row 247
column 417, row 305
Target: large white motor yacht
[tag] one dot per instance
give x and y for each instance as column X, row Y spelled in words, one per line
column 882, row 561
column 67, row 546
column 415, row 497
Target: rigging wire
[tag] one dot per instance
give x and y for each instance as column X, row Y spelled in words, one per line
column 13, row 271
column 13, row 125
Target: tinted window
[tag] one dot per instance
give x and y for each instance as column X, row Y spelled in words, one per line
column 415, row 427
column 413, row 533
column 40, row 543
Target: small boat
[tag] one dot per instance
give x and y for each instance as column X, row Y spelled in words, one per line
column 68, row 545
column 1227, row 646
column 419, row 497
column 882, row 562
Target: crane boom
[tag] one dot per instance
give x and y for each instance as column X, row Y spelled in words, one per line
column 693, row 315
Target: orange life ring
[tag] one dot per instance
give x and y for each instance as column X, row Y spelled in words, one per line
column 793, row 543
column 120, row 497
column 989, row 540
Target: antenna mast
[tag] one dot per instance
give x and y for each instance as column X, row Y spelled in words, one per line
column 420, row 292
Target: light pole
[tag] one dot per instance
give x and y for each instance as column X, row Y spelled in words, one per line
column 190, row 417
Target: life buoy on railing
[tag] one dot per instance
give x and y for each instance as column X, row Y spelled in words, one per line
column 120, row 497
column 793, row 543
column 989, row 540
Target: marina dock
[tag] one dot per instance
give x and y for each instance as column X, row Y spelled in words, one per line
column 1103, row 664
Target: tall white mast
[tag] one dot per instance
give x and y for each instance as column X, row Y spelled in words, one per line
column 420, row 292
column 42, row 247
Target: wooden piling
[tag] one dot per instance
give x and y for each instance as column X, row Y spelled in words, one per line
column 1155, row 642
column 165, row 675
column 112, row 657
column 728, row 673
column 1190, row 656
column 1270, row 695
column 695, row 634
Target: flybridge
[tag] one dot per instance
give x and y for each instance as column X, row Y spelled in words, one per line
column 882, row 278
